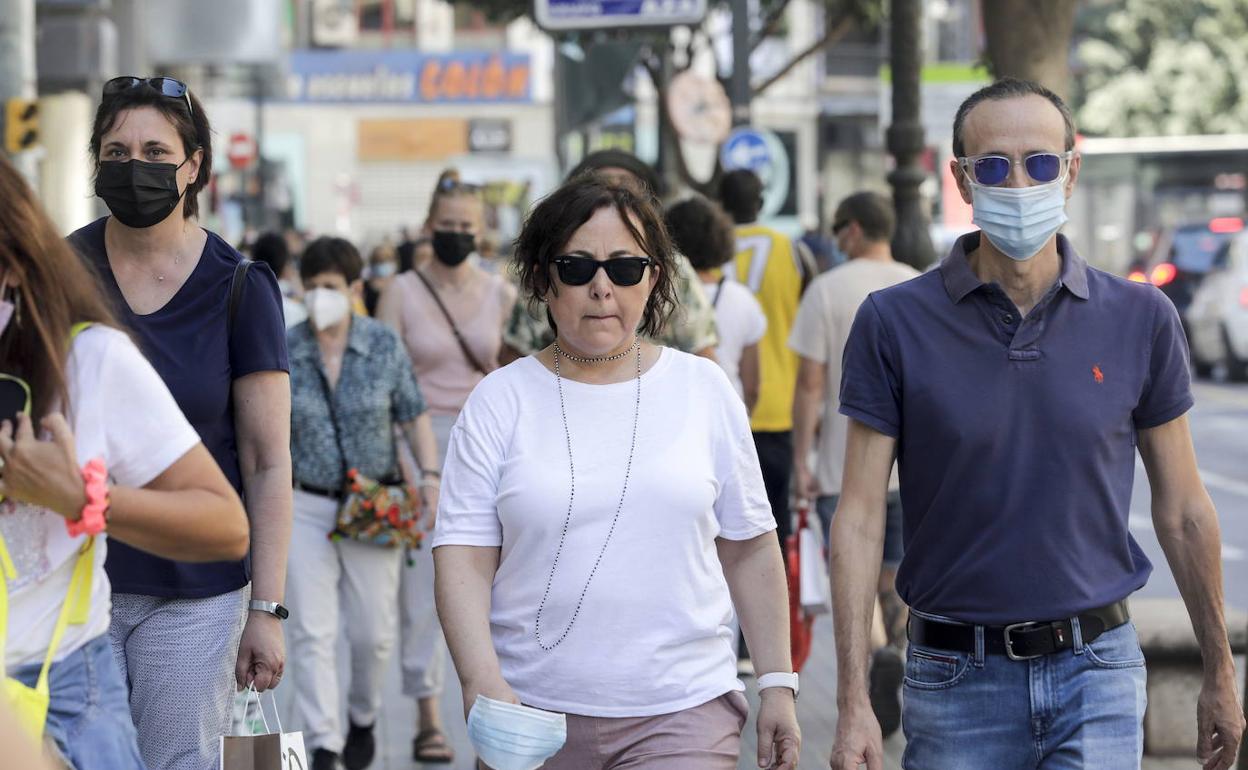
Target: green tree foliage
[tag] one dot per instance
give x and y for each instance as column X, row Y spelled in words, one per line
column 1163, row 67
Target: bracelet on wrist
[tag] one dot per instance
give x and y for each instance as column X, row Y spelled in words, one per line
column 430, row 483
column 432, row 473
column 93, row 519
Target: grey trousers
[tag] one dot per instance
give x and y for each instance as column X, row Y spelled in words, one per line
column 177, row 657
column 422, row 647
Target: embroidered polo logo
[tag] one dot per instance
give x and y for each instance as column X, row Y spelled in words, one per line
column 1098, row 375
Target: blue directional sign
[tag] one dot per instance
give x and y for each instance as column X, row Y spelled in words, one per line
column 762, row 152
column 607, row 14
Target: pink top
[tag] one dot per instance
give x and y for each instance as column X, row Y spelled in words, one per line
column 442, row 370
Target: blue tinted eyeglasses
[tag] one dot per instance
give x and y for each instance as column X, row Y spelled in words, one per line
column 170, row 87
column 992, row 170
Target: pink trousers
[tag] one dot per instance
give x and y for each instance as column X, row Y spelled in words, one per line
column 706, row 737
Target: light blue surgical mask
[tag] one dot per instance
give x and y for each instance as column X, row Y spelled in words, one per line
column 507, row 736
column 1020, row 220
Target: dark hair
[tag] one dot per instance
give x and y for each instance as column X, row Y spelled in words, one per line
column 193, row 129
column 331, row 255
column 272, row 249
column 702, row 232
column 557, row 217
column 741, row 193
column 1009, row 88
column 644, row 172
column 54, row 289
column 873, row 213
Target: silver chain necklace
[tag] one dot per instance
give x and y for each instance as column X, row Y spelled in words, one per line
column 572, row 494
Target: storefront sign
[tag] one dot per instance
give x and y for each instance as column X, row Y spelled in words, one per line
column 371, row 77
column 489, row 135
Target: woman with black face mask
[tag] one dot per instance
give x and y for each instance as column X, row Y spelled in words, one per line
column 450, row 315
column 213, row 330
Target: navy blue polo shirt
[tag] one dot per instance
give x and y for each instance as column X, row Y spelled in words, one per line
column 187, row 343
column 1016, row 437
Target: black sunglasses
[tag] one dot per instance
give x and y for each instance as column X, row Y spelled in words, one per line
column 174, row 89
column 623, row 271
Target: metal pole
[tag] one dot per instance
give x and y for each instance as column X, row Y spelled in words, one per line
column 17, row 68
column 265, row 216
column 912, row 242
column 740, row 82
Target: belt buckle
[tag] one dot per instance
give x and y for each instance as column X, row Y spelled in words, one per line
column 1009, row 643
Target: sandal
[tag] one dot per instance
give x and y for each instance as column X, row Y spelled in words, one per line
column 431, row 747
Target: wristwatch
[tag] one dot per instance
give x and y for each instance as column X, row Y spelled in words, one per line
column 273, row 608
column 778, row 679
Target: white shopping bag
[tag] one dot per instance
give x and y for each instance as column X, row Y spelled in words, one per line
column 816, row 590
column 271, row 751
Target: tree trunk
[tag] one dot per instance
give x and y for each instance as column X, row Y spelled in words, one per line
column 1031, row 40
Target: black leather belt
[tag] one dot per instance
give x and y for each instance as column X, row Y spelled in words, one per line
column 333, row 494
column 1018, row 641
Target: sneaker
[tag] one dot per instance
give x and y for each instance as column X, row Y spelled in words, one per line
column 887, row 671
column 361, row 747
column 323, row 759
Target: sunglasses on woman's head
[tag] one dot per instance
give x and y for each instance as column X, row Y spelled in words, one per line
column 174, row 89
column 577, row 270
column 992, row 170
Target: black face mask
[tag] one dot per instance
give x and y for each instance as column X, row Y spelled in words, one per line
column 140, row 194
column 452, row 248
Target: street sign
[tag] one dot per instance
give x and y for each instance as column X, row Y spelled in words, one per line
column 762, row 152
column 611, row 14
column 489, row 135
column 241, row 150
column 21, row 125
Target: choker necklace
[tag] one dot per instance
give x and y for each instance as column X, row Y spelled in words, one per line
column 598, row 360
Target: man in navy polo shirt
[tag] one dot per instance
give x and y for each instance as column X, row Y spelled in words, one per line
column 1014, row 386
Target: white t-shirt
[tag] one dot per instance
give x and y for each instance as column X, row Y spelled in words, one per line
column 652, row 636
column 822, row 327
column 741, row 322
column 121, row 412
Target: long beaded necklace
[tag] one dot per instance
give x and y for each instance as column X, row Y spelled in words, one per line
column 572, row 494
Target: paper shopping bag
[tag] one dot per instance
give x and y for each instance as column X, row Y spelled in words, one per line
column 816, row 590
column 269, row 751
column 275, row 751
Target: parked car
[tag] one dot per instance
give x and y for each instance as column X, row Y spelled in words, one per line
column 1217, row 317
column 1183, row 256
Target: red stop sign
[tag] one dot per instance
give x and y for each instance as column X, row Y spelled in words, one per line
column 241, row 150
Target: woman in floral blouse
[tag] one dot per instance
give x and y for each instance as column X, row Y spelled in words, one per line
column 363, row 367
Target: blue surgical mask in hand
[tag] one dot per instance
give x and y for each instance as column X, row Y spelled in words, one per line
column 1020, row 220
column 511, row 737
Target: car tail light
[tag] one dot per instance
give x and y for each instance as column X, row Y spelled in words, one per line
column 1137, row 276
column 1163, row 274
column 1226, row 225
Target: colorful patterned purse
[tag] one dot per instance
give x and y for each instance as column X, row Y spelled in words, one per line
column 380, row 514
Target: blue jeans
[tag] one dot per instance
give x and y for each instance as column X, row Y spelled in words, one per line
column 89, row 714
column 1081, row 708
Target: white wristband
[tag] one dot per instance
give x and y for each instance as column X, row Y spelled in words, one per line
column 778, row 679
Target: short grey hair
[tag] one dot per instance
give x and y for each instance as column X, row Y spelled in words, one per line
column 1009, row 88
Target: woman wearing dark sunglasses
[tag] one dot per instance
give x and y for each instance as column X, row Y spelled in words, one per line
column 602, row 512
column 215, row 334
column 99, row 455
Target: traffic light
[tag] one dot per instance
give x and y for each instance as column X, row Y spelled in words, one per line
column 21, row 125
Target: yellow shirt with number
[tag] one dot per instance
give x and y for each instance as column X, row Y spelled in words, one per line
column 768, row 263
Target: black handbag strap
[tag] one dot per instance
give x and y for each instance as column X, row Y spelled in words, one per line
column 237, row 282
column 333, row 416
column 719, row 291
column 463, row 344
